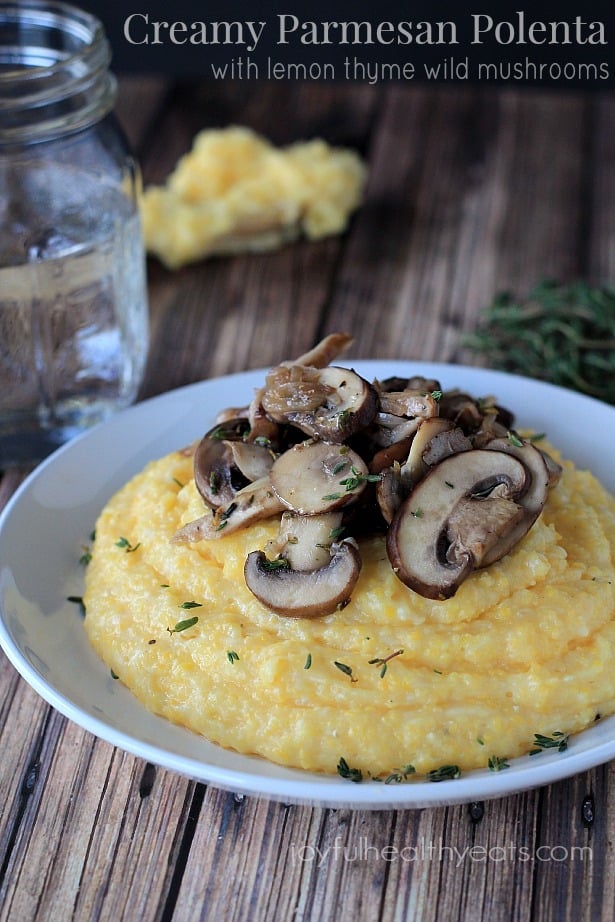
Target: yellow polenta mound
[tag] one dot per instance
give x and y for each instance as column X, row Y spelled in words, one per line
column 526, row 646
column 234, row 192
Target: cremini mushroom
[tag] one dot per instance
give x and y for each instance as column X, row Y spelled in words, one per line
column 330, row 403
column 304, row 593
column 313, row 477
column 541, row 476
column 425, row 541
column 216, row 476
column 324, row 352
column 415, row 465
column 255, row 501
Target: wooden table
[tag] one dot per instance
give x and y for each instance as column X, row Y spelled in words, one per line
column 471, row 191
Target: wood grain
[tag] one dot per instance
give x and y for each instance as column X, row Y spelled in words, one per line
column 470, row 191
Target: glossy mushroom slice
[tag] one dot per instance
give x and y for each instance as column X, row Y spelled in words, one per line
column 304, row 593
column 325, row 351
column 216, row 476
column 255, row 501
column 314, row 477
column 415, row 466
column 330, row 403
column 533, row 500
column 425, row 541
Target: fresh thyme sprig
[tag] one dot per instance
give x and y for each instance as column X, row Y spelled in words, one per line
column 384, row 661
column 563, row 333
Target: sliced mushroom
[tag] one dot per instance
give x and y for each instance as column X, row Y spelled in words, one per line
column 330, row 403
column 409, row 403
column 533, row 499
column 255, row 501
column 391, row 429
column 421, row 534
column 389, row 492
column 386, row 457
column 535, row 496
column 444, row 443
column 263, row 430
column 304, row 541
column 325, row 351
column 477, row 527
column 415, row 466
column 314, row 477
column 554, row 469
column 417, row 383
column 304, row 593
column 215, row 475
column 253, row 460
column 462, row 409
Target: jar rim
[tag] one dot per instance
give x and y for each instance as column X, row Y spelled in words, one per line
column 54, row 76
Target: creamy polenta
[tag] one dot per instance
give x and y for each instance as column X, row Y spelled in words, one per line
column 234, row 191
column 392, row 679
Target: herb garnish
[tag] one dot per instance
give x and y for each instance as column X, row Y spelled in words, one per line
column 77, row 600
column 352, row 774
column 347, row 670
column 514, row 438
column 564, row 333
column 496, row 764
column 183, row 625
column 278, row 563
column 557, row 740
column 351, row 483
column 402, row 774
column 188, row 605
column 232, row 656
column 125, row 544
column 384, row 662
column 308, row 661
column 444, row 773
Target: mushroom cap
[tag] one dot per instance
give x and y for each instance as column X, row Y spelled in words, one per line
column 216, row 477
column 330, row 403
column 533, row 499
column 419, row 538
column 304, row 593
column 314, row 477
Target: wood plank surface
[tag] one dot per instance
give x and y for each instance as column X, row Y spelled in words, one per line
column 470, row 191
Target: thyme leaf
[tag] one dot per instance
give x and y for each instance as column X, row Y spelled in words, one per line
column 497, row 764
column 557, row 740
column 444, row 773
column 384, row 661
column 125, row 544
column 345, row 771
column 347, row 670
column 183, row 625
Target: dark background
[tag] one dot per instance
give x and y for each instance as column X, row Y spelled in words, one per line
column 195, row 60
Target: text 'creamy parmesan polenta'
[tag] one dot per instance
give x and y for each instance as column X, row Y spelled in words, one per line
column 391, row 677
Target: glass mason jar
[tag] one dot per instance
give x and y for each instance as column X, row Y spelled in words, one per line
column 73, row 297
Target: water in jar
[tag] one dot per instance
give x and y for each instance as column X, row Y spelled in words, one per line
column 73, row 306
